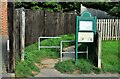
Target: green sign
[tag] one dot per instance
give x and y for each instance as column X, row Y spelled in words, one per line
column 85, row 30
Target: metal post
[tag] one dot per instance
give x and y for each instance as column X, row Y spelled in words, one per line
column 76, row 42
column 99, row 49
column 61, row 51
column 8, row 48
column 38, row 43
column 87, row 52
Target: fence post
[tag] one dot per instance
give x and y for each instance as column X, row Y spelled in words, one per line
column 22, row 34
column 11, row 53
column 99, row 48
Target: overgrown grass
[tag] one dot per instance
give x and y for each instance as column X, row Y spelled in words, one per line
column 66, row 66
column 83, row 66
column 33, row 55
column 110, row 61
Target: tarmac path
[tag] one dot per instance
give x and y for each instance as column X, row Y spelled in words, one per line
column 48, row 70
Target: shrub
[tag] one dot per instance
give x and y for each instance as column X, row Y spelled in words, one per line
column 84, row 66
column 68, row 66
column 65, row 66
column 22, row 70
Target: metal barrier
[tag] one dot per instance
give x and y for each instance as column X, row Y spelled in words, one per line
column 39, row 46
column 61, row 48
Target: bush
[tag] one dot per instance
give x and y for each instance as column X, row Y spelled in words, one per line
column 66, row 66
column 22, row 70
column 84, row 66
column 97, row 70
column 33, row 55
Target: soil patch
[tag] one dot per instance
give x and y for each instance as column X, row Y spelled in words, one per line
column 47, row 63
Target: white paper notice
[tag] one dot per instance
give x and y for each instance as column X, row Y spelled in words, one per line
column 85, row 25
column 85, row 36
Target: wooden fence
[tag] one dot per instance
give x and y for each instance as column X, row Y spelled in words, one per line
column 43, row 23
column 110, row 28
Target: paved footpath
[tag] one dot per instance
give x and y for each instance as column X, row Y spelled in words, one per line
column 55, row 73
column 48, row 70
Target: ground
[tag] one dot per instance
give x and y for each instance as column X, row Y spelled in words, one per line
column 46, row 66
column 48, row 70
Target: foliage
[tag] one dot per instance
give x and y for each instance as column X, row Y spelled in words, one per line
column 33, row 55
column 68, row 66
column 110, row 61
column 52, row 6
column 113, row 8
column 85, row 66
column 36, row 8
column 24, row 69
column 49, row 6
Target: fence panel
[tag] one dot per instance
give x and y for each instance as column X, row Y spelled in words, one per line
column 43, row 23
column 16, row 31
column 60, row 23
column 109, row 28
column 51, row 24
column 35, row 25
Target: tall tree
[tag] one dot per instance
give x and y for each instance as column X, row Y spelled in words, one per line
column 112, row 8
column 49, row 6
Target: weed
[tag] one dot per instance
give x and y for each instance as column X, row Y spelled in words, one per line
column 66, row 66
column 33, row 55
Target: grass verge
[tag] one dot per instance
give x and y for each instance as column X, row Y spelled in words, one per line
column 110, row 61
column 33, row 55
column 83, row 66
